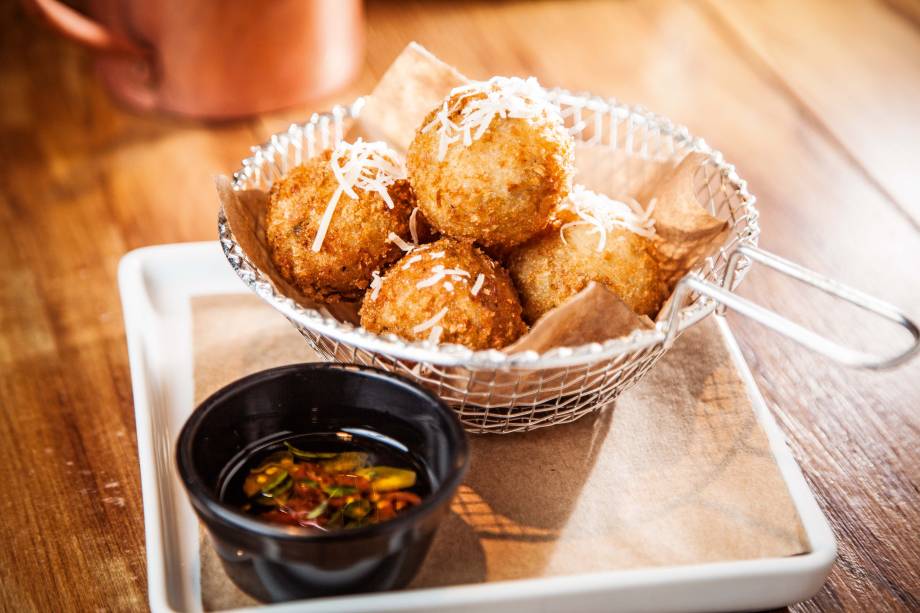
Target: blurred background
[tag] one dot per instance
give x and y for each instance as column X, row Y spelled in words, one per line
column 111, row 133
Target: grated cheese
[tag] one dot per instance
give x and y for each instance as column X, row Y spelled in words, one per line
column 368, row 166
column 432, row 280
column 437, row 254
column 439, row 273
column 399, row 242
column 448, row 286
column 603, row 214
column 481, row 102
column 411, row 261
column 435, row 336
column 413, row 225
column 480, row 279
column 454, row 272
column 376, row 283
column 430, row 321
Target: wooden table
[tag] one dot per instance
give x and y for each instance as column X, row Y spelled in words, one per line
column 818, row 104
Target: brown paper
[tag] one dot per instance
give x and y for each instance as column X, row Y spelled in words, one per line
column 617, row 174
column 577, row 322
column 593, row 315
column 685, row 232
column 679, row 473
column 414, row 84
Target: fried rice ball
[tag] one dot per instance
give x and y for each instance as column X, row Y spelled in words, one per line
column 449, row 292
column 559, row 263
column 499, row 189
column 356, row 243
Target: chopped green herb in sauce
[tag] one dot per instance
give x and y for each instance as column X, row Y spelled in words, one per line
column 325, row 490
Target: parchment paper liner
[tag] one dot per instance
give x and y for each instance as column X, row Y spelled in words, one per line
column 681, row 473
column 686, row 234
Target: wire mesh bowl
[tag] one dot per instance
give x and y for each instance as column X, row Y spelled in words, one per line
column 492, row 391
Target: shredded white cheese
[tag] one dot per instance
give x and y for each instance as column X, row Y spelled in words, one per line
column 482, row 101
column 480, row 279
column 435, row 336
column 455, row 272
column 413, row 225
column 603, row 214
column 368, row 166
column 376, row 282
column 440, row 273
column 432, row 280
column 437, row 254
column 411, row 261
column 430, row 321
column 399, row 242
column 448, row 286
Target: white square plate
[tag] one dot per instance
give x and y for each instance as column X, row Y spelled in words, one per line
column 156, row 284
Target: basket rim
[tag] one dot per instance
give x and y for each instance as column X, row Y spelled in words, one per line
column 452, row 355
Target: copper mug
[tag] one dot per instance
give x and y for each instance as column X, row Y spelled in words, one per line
column 217, row 59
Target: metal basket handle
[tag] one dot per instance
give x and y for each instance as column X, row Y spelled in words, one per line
column 812, row 340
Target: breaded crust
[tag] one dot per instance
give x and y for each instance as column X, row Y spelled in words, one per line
column 355, row 244
column 499, row 190
column 547, row 271
column 489, row 319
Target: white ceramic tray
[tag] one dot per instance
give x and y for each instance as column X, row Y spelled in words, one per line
column 156, row 284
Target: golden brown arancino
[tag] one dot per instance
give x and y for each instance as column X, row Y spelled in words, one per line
column 489, row 319
column 499, row 190
column 356, row 242
column 547, row 271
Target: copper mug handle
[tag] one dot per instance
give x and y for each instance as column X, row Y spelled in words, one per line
column 83, row 30
column 148, row 66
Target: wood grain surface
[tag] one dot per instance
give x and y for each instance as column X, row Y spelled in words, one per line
column 817, row 103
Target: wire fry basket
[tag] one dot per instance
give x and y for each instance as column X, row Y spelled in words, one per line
column 495, row 392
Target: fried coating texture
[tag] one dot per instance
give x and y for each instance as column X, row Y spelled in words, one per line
column 499, row 190
column 355, row 244
column 489, row 319
column 547, row 271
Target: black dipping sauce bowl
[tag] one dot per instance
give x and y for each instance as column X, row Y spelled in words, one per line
column 273, row 562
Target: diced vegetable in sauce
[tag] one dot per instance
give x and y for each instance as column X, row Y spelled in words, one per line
column 327, row 490
column 387, row 478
